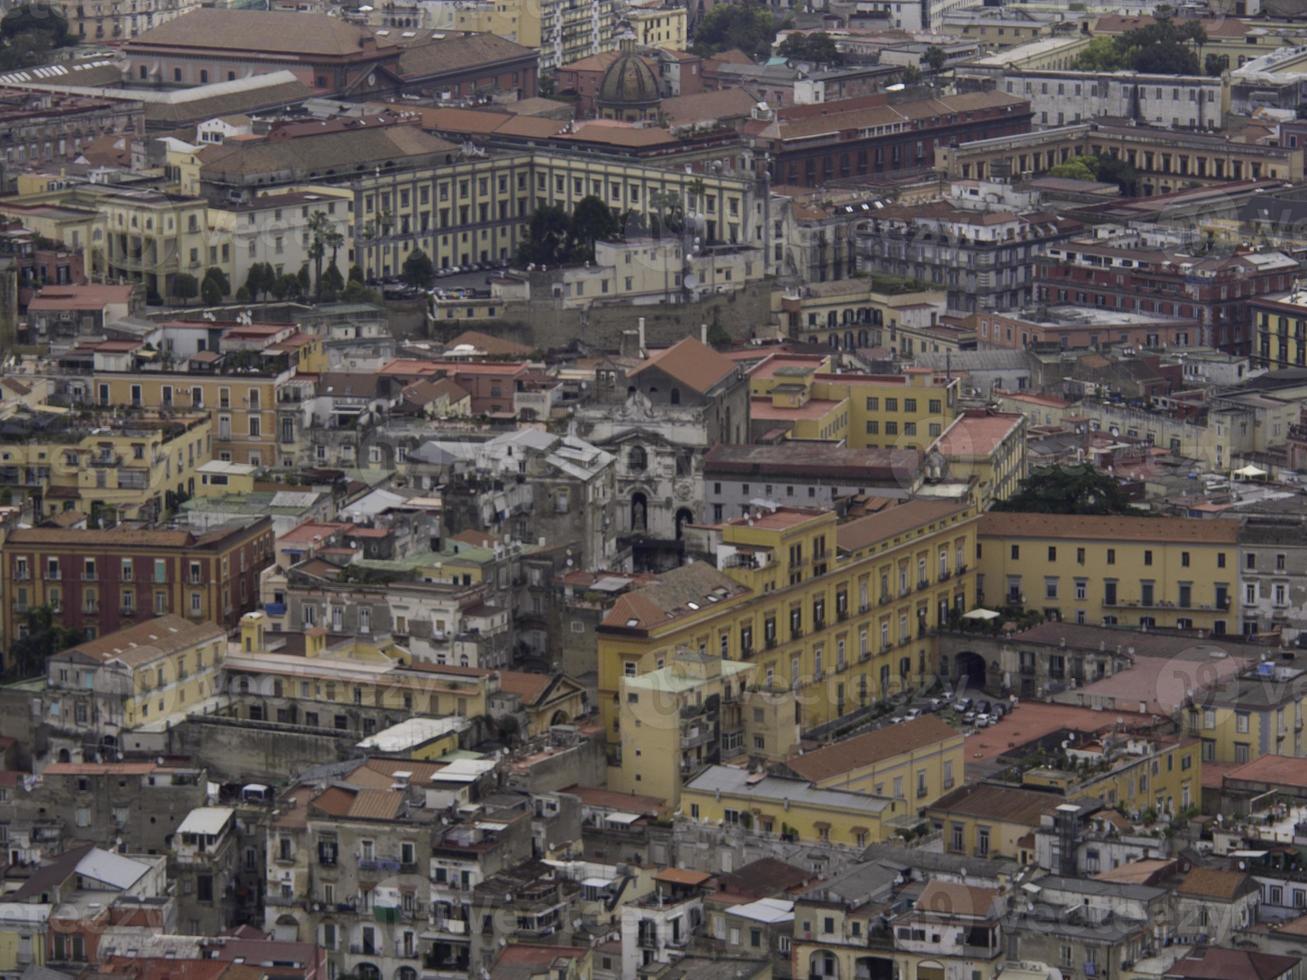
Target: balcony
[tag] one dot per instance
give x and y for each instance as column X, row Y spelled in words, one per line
column 841, row 615
column 796, row 633
column 275, row 608
column 363, row 949
column 923, row 584
column 390, row 865
column 769, row 642
column 945, row 575
column 106, row 460
column 884, row 598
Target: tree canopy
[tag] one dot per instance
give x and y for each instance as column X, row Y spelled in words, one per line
column 1164, row 47
column 29, row 33
column 44, row 638
column 818, row 47
column 419, row 270
column 1067, row 490
column 751, row 27
column 557, row 237
column 1107, row 169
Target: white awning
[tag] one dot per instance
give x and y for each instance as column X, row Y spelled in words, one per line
column 617, row 816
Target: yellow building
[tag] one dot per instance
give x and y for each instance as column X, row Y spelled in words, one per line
column 915, row 762
column 1159, row 774
column 128, row 469
column 1259, row 713
column 789, row 809
column 243, row 407
column 323, row 680
column 1280, row 327
column 23, row 935
column 658, row 26
column 840, row 614
column 478, row 209
column 219, row 478
column 1134, row 571
column 988, row 448
column 138, row 235
column 675, row 719
column 852, row 313
column 898, row 411
column 987, row 820
column 155, row 670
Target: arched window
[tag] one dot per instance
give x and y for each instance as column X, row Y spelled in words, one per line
column 637, row 459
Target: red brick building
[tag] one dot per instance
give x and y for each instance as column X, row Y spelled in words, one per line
column 1214, row 291
column 100, row 581
column 815, row 144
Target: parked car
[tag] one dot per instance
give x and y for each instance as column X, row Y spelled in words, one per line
column 961, row 705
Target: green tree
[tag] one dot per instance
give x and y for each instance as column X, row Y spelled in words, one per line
column 305, row 279
column 935, row 57
column 44, row 638
column 718, row 336
column 1077, row 168
column 210, row 292
column 215, row 286
column 185, row 287
column 549, row 238
column 1114, row 170
column 592, row 221
column 818, row 47
column 355, row 273
column 323, row 238
column 1215, row 65
column 1068, row 490
column 286, row 286
column 1100, row 54
column 418, row 269
column 747, row 26
column 260, row 280
column 332, row 282
column 29, row 33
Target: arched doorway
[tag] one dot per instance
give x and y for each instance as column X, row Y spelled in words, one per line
column 406, row 973
column 286, row 929
column 969, row 670
column 639, row 512
column 367, row 971
column 822, row 965
column 683, row 517
column 873, row 968
column 64, row 756
column 559, row 718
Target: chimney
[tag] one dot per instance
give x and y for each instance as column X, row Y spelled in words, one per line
column 703, row 334
column 640, row 330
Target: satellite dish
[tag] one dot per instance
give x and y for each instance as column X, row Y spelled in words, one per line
column 691, row 280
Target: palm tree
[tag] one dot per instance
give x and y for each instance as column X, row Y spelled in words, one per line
column 324, row 237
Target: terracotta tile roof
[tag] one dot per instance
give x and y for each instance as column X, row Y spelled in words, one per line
column 529, row 687
column 946, row 898
column 1218, row 963
column 359, row 804
column 1002, row 803
column 864, row 750
column 978, row 433
column 683, row 876
column 726, row 103
column 1215, row 883
column 1280, row 770
column 87, row 297
column 892, row 521
column 147, row 641
column 1144, row 872
column 669, row 596
column 598, row 796
column 458, row 53
column 765, row 877
column 1098, row 528
column 256, row 31
column 690, row 362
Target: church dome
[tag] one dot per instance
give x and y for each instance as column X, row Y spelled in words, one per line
column 628, row 83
